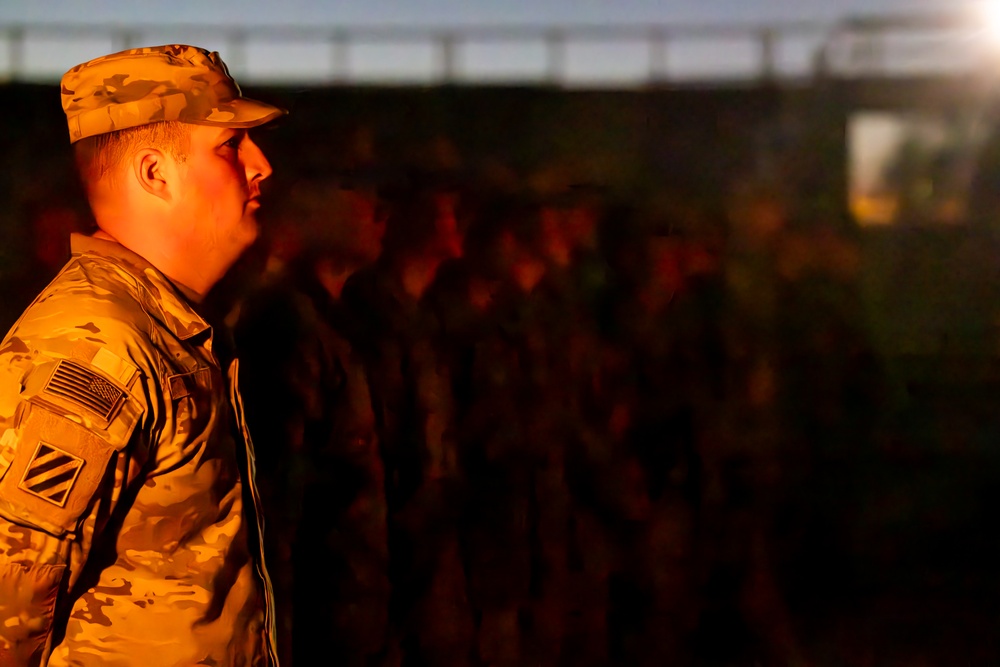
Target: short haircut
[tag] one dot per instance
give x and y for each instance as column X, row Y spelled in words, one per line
column 101, row 154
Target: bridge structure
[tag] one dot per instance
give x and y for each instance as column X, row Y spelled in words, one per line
column 818, row 112
column 572, row 56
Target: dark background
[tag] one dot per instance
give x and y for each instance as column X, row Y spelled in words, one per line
column 888, row 550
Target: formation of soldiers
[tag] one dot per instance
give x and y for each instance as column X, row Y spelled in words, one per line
column 497, row 428
column 495, row 425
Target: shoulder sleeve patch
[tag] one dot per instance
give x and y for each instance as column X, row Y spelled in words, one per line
column 76, row 384
column 57, row 468
column 51, row 473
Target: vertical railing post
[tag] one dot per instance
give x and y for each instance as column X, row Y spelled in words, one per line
column 122, row 38
column 446, row 44
column 658, row 63
column 555, row 51
column 339, row 55
column 237, row 46
column 868, row 50
column 767, row 54
column 821, row 56
column 15, row 45
column 878, row 50
column 768, row 64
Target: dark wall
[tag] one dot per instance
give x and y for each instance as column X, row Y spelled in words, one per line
column 650, row 147
column 637, row 143
column 909, row 508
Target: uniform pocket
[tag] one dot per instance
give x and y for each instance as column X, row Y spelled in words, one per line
column 27, row 602
column 191, row 394
column 58, row 466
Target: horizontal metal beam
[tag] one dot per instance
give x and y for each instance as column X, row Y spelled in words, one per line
column 865, row 36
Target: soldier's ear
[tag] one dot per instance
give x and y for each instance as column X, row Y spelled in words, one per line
column 151, row 170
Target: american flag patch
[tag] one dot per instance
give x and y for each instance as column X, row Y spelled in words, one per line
column 51, row 474
column 78, row 384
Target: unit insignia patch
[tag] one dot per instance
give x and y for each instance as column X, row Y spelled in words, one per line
column 51, row 474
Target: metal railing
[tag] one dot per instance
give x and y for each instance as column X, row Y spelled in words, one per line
column 938, row 43
column 578, row 55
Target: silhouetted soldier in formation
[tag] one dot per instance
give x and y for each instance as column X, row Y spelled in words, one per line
column 414, row 417
column 319, row 448
column 488, row 314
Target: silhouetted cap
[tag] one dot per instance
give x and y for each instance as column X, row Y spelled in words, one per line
column 158, row 83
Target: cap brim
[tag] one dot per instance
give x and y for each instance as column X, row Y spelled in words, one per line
column 241, row 112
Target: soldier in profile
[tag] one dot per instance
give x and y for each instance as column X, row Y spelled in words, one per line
column 128, row 518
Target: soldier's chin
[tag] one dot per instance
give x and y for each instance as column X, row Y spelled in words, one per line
column 250, row 224
column 247, row 233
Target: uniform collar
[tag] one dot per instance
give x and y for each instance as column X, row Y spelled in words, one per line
column 175, row 309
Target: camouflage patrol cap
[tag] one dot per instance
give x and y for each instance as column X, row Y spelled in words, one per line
column 158, row 83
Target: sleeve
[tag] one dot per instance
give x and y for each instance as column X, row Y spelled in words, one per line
column 70, row 418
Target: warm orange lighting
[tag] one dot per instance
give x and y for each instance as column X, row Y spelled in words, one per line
column 874, row 209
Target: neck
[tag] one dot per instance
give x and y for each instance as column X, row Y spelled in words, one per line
column 160, row 230
column 194, row 287
column 332, row 278
column 527, row 275
column 417, row 273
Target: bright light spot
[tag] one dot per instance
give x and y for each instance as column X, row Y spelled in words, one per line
column 990, row 15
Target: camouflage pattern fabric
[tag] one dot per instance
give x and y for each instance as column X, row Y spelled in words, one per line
column 174, row 82
column 127, row 534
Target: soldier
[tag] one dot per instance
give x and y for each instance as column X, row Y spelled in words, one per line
column 309, row 408
column 128, row 518
column 414, row 416
column 486, row 318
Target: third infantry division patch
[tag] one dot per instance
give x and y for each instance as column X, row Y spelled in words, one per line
column 51, row 473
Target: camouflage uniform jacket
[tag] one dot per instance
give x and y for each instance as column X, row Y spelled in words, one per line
column 127, row 536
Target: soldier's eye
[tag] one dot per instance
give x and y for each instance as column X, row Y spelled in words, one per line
column 234, row 141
